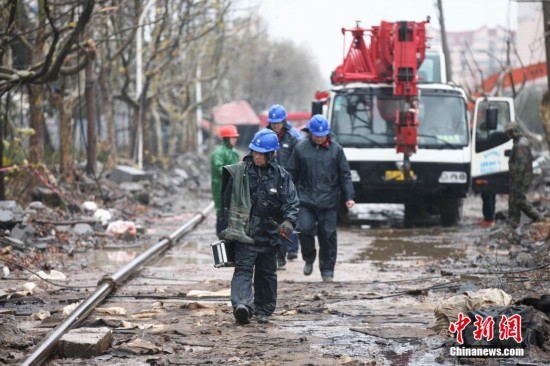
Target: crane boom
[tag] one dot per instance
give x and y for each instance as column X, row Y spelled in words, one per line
column 394, row 55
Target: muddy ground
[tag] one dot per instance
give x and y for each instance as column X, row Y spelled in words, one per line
column 379, row 310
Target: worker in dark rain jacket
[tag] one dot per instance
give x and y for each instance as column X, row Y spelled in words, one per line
column 260, row 204
column 321, row 174
column 520, row 166
column 277, row 123
column 225, row 154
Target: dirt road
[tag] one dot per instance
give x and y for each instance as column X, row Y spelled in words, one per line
column 388, row 281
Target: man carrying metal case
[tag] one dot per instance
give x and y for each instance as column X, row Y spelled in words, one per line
column 260, row 205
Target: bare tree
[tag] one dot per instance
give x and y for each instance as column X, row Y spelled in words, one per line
column 38, row 46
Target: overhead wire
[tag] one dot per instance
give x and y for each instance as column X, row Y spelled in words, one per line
column 42, row 278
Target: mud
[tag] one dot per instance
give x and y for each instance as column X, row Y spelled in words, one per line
column 388, row 281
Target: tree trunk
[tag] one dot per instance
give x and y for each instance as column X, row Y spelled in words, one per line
column 134, row 118
column 91, row 116
column 545, row 102
column 189, row 138
column 107, row 97
column 66, row 130
column 3, row 123
column 158, row 132
column 545, row 116
column 36, row 150
column 175, row 131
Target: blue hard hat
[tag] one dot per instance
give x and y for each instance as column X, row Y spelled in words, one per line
column 318, row 125
column 264, row 141
column 276, row 114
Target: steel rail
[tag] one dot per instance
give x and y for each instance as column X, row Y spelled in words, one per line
column 107, row 285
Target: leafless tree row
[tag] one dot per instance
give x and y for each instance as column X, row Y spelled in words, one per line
column 134, row 65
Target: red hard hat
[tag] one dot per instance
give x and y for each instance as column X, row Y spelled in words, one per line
column 229, row 131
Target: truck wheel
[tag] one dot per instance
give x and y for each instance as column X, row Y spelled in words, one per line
column 450, row 211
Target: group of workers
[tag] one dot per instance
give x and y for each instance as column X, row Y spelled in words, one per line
column 289, row 186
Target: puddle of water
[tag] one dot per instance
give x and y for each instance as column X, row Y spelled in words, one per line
column 107, row 257
column 403, row 244
column 187, row 253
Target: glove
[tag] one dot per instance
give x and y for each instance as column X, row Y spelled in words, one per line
column 286, row 228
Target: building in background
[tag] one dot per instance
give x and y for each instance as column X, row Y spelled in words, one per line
column 476, row 54
column 479, row 53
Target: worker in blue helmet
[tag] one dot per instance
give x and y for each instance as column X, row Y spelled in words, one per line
column 322, row 177
column 277, row 122
column 260, row 207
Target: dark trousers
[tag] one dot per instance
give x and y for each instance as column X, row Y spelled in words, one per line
column 489, row 204
column 254, row 282
column 518, row 203
column 323, row 224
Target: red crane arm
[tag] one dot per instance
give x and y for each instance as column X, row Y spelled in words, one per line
column 394, row 55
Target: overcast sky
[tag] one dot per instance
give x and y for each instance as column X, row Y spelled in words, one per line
column 317, row 24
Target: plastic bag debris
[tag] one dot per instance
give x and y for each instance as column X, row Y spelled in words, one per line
column 448, row 309
column 102, row 216
column 53, row 276
column 121, row 229
column 89, row 206
column 31, row 288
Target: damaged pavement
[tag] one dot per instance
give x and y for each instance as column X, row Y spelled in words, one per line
column 396, row 289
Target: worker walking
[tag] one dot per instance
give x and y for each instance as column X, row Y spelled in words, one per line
column 225, row 154
column 520, row 166
column 277, row 123
column 321, row 173
column 259, row 204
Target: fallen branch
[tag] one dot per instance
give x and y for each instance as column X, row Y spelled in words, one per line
column 69, row 222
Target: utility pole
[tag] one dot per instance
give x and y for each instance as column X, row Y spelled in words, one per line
column 444, row 43
column 139, row 83
column 546, row 20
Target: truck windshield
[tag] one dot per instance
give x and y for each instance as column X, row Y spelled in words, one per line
column 368, row 120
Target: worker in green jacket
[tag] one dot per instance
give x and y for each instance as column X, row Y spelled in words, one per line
column 221, row 156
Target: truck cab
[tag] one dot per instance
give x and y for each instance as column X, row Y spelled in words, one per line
column 362, row 121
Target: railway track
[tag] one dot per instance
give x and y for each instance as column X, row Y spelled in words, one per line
column 108, row 285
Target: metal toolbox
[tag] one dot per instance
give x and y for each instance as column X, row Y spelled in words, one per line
column 223, row 253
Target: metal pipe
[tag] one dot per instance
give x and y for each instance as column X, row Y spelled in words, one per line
column 106, row 286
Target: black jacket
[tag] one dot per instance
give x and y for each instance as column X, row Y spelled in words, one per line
column 320, row 174
column 287, row 143
column 273, row 196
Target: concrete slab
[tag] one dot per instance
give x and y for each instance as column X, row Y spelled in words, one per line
column 125, row 173
column 85, row 342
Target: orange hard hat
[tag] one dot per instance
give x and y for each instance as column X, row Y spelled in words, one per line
column 229, row 131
